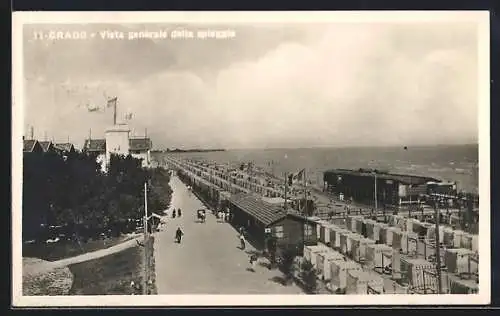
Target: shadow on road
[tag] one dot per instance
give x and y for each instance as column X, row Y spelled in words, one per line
column 279, row 280
column 266, row 265
column 253, row 252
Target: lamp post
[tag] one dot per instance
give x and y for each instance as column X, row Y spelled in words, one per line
column 146, row 263
column 375, row 191
column 438, row 255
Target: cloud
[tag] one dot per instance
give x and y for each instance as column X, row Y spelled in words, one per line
column 324, row 85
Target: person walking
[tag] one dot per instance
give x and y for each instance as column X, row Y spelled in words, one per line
column 253, row 261
column 242, row 242
column 178, row 235
column 173, row 213
column 179, row 212
column 223, row 216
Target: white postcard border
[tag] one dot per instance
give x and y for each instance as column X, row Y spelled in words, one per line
column 479, row 17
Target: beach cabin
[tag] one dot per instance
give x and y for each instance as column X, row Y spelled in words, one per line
column 378, row 256
column 461, row 286
column 339, row 270
column 390, row 232
column 345, row 242
column 457, row 238
column 359, row 224
column 370, row 229
column 323, row 232
column 405, row 241
column 382, row 229
column 263, row 221
column 364, row 282
column 396, row 264
column 458, row 261
column 310, row 253
column 447, row 236
column 412, row 225
column 323, row 262
column 335, row 233
column 431, row 233
column 420, row 274
column 468, row 240
column 353, row 222
column 359, row 245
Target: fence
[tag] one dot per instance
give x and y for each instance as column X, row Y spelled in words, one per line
column 427, row 283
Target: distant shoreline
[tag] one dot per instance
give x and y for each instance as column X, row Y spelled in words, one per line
column 409, row 147
column 188, row 150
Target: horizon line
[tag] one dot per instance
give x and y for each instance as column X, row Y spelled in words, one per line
column 326, row 147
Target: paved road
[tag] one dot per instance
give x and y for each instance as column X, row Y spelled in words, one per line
column 208, row 261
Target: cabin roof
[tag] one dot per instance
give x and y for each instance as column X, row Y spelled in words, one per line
column 254, row 206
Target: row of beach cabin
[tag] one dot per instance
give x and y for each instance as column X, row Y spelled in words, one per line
column 394, row 248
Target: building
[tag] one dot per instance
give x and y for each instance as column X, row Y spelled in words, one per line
column 264, row 222
column 392, row 189
column 118, row 141
column 65, row 148
column 47, row 146
column 141, row 148
column 32, row 146
column 97, row 148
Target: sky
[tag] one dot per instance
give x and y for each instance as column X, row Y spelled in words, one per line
column 270, row 86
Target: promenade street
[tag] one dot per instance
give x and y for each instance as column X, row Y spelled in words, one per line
column 208, row 261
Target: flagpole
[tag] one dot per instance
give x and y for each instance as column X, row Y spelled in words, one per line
column 305, row 193
column 114, row 113
column 286, row 188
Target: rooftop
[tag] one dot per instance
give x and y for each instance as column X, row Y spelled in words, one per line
column 407, row 179
column 95, row 145
column 29, row 145
column 64, row 146
column 254, row 206
column 140, row 144
column 45, row 145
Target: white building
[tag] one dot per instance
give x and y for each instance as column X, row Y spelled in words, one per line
column 118, row 141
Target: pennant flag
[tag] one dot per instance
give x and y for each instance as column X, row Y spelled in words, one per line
column 297, row 177
column 112, row 102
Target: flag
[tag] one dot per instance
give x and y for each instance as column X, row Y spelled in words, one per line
column 112, row 102
column 299, row 176
column 128, row 116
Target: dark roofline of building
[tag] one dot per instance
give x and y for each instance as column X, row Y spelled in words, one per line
column 405, row 178
column 27, row 141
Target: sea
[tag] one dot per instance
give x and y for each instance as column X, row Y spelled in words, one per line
column 457, row 163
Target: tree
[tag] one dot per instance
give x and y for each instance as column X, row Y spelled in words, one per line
column 74, row 193
column 308, row 276
column 287, row 262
